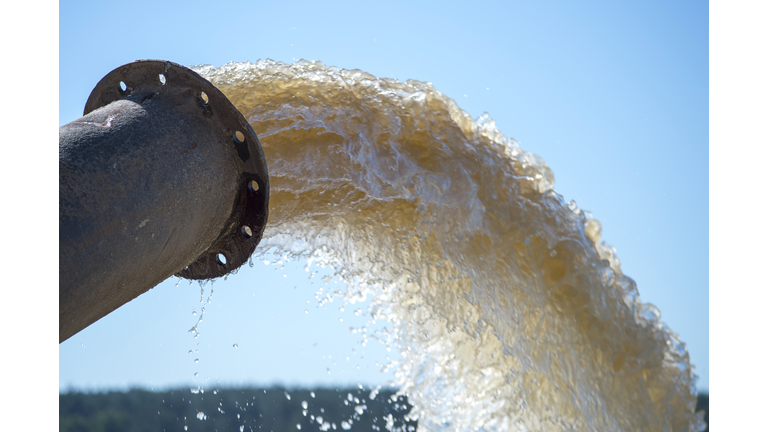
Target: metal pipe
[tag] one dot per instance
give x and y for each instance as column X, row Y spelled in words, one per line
column 161, row 176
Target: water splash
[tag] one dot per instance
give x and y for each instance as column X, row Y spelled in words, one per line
column 507, row 309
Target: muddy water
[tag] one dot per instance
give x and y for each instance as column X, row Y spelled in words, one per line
column 508, row 311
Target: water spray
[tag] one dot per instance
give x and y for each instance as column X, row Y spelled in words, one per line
column 161, row 176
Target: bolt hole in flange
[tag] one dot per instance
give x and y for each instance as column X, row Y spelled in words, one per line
column 204, row 98
column 238, row 137
column 253, row 186
column 123, row 87
column 162, row 79
column 221, row 259
column 246, row 231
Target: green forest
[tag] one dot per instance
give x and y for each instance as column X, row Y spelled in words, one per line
column 245, row 409
column 242, row 409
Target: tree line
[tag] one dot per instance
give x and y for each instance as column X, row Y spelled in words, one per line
column 243, row 409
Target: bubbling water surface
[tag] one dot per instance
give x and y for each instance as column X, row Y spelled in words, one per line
column 508, row 311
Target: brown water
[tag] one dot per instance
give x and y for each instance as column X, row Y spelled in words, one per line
column 507, row 310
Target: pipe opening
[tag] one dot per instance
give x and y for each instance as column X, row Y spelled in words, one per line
column 239, row 137
column 253, row 186
column 221, row 259
column 123, row 88
column 162, row 79
column 204, row 98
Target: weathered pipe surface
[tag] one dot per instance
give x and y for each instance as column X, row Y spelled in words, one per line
column 161, row 176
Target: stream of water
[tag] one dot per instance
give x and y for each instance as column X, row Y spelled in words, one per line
column 508, row 311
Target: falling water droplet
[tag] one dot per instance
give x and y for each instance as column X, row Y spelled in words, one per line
column 234, row 346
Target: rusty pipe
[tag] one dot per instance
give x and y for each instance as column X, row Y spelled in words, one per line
column 161, row 176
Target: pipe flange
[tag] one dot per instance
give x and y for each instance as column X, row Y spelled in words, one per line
column 245, row 227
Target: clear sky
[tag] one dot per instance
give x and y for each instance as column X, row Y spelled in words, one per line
column 614, row 96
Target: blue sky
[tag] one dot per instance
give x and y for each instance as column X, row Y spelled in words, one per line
column 613, row 96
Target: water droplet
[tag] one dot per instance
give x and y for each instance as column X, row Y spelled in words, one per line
column 298, row 426
column 201, row 416
column 197, row 360
column 242, row 427
column 312, row 394
column 287, row 396
column 234, row 346
column 304, row 404
column 185, row 427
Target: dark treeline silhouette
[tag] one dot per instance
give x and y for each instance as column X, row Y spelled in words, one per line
column 702, row 404
column 229, row 409
column 244, row 409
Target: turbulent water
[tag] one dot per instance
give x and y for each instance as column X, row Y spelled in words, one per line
column 508, row 311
